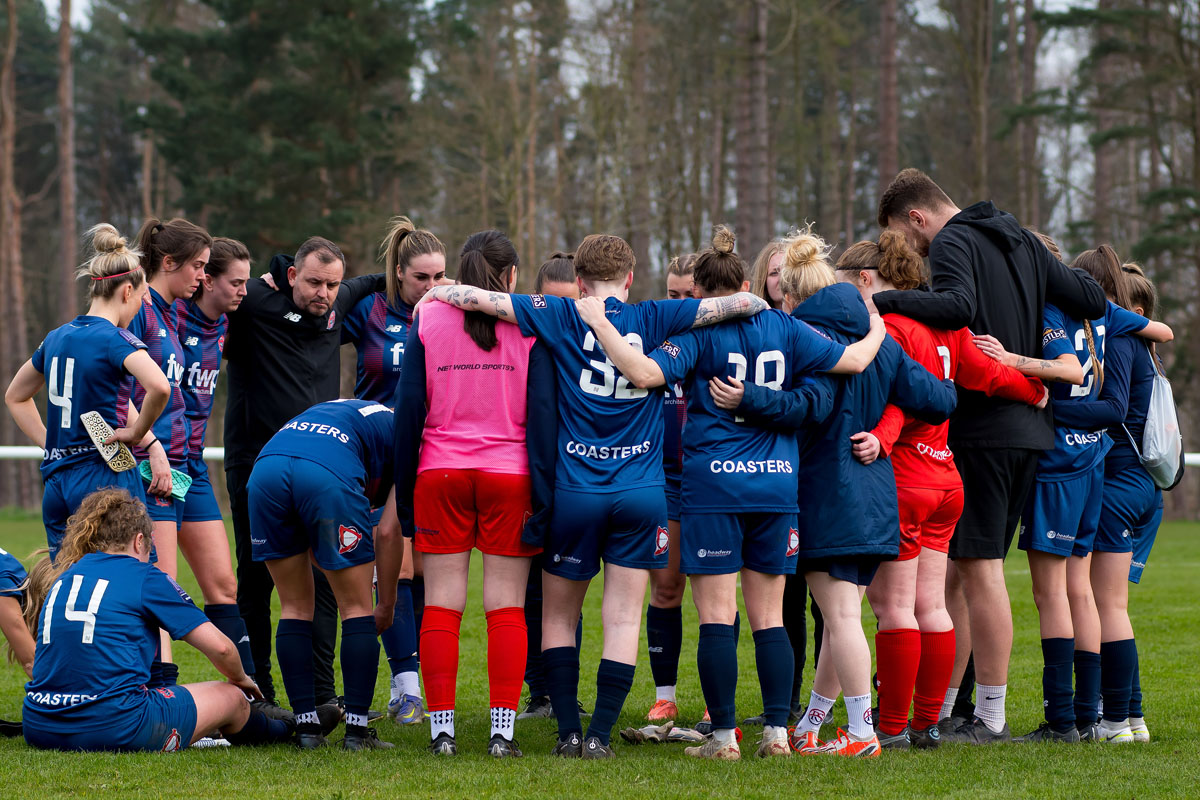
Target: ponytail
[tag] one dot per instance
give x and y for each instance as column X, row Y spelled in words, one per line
column 1104, row 265
column 484, row 262
column 403, row 242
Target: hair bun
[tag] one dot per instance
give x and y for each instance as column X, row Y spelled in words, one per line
column 805, row 248
column 723, row 239
column 106, row 239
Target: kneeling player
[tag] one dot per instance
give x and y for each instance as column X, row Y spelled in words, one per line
column 730, row 522
column 310, row 496
column 98, row 632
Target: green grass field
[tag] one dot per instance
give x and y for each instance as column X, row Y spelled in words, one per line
column 1163, row 609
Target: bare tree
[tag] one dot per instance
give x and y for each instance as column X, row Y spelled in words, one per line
column 639, row 167
column 889, row 104
column 1028, row 130
column 754, row 216
column 66, row 160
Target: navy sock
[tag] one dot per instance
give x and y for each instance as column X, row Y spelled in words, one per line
column 613, row 682
column 260, row 729
column 1117, row 660
column 561, row 667
column 293, row 648
column 360, row 663
column 1057, row 692
column 773, row 656
column 162, row 673
column 229, row 621
column 716, row 660
column 579, row 635
column 400, row 640
column 1135, row 690
column 737, row 627
column 664, row 638
column 1087, row 688
column 418, row 605
column 535, row 674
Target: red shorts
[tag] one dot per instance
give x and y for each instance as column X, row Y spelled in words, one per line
column 927, row 519
column 458, row 509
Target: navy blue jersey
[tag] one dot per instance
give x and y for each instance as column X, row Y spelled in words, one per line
column 96, row 637
column 610, row 432
column 84, row 365
column 154, row 324
column 1077, row 450
column 729, row 465
column 674, row 418
column 350, row 438
column 12, row 575
column 203, row 341
column 379, row 333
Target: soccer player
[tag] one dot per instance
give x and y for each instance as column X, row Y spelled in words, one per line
column 97, row 631
column 311, row 495
column 378, row 325
column 201, row 324
column 469, row 383
column 84, row 365
column 608, row 501
column 556, row 276
column 994, row 277
column 12, row 601
column 664, row 614
column 914, row 647
column 764, row 280
column 1059, row 525
column 731, row 523
column 848, row 520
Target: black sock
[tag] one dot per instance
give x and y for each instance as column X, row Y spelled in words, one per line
column 1087, row 688
column 964, row 706
column 1135, row 690
column 613, row 682
column 716, row 661
column 1116, row 677
column 773, row 657
column 664, row 639
column 360, row 665
column 293, row 647
column 561, row 667
column 229, row 622
column 1057, row 692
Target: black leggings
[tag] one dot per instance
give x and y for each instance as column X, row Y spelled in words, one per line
column 795, row 595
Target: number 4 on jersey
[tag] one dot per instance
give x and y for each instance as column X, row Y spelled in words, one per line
column 62, row 399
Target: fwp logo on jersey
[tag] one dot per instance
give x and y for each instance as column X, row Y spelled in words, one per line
column 661, row 541
column 793, row 542
column 348, row 538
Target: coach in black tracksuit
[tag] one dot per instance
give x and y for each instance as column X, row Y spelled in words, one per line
column 993, row 276
column 283, row 354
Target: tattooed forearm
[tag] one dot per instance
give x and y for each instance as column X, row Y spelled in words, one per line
column 1024, row 363
column 718, row 309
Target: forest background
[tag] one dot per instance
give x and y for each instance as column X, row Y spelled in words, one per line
column 273, row 120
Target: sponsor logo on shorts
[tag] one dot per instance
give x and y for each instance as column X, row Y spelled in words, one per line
column 559, row 558
column 670, row 349
column 539, row 300
column 661, row 541
column 793, row 542
column 816, row 716
column 1125, row 534
column 702, row 553
column 428, row 531
column 1138, row 564
column 348, row 538
column 254, row 541
column 173, row 743
column 332, row 320
column 165, row 691
column 1059, row 536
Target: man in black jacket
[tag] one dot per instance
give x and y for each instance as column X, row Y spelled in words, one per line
column 283, row 353
column 993, row 276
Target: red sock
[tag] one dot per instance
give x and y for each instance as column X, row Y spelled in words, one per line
column 933, row 677
column 439, row 656
column 507, row 649
column 897, row 653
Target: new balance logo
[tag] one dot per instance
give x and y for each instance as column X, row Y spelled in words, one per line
column 191, row 341
column 292, row 316
column 162, row 333
column 395, row 328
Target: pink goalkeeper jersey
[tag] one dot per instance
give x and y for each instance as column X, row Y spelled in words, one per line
column 476, row 399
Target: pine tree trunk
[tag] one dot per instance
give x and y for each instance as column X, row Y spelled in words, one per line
column 754, row 206
column 1014, row 85
column 8, row 230
column 68, row 260
column 1030, row 163
column 1105, row 152
column 639, row 163
column 981, row 67
column 889, row 103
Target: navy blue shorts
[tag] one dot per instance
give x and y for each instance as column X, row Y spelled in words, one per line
column 857, row 570
column 1143, row 541
column 1061, row 517
column 161, row 719
column 719, row 544
column 167, row 509
column 297, row 505
column 626, row 528
column 674, row 486
column 200, row 504
column 66, row 488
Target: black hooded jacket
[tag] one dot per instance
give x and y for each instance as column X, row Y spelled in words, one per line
column 993, row 276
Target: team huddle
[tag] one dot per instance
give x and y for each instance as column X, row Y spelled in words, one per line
column 802, row 427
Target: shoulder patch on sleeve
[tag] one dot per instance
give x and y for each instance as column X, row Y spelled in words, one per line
column 538, row 300
column 670, row 349
column 131, row 339
column 1051, row 334
column 179, row 589
column 819, row 332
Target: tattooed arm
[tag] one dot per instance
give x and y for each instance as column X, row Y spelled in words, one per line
column 470, row 298
column 718, row 309
column 1064, row 369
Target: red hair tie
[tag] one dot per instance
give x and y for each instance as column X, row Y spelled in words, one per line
column 116, row 274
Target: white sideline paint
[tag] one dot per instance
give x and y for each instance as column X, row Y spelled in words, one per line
column 29, row 453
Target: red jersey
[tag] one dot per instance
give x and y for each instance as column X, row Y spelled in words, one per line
column 920, row 454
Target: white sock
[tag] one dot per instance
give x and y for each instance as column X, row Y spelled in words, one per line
column 989, row 705
column 814, row 717
column 723, row 735
column 395, row 688
column 664, row 693
column 410, row 684
column 308, row 717
column 356, row 719
column 441, row 722
column 858, row 712
column 948, row 703
column 502, row 722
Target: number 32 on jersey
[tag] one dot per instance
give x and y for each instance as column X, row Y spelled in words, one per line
column 602, row 379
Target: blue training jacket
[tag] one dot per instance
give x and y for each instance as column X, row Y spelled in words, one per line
column 848, row 509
